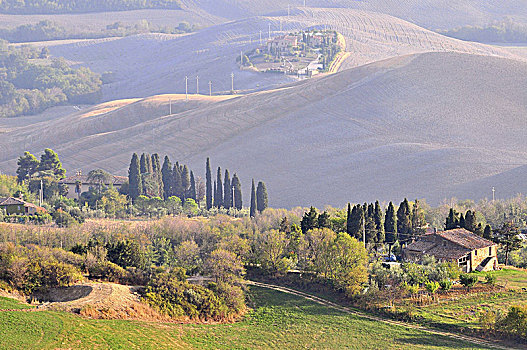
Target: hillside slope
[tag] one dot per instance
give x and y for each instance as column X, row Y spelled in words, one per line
column 435, row 14
column 152, row 64
column 420, row 126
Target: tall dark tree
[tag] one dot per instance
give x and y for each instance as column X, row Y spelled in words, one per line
column 461, row 220
column 404, row 222
column 252, row 210
column 390, row 226
column 28, row 165
column 357, row 221
column 487, row 233
column 208, row 193
column 50, row 162
column 167, row 178
column 452, row 221
column 309, row 220
column 178, row 184
column 418, row 220
column 470, row 221
column 192, row 191
column 218, row 195
column 156, row 168
column 185, row 183
column 134, row 178
column 348, row 220
column 323, row 220
column 143, row 164
column 261, row 197
column 227, row 190
column 378, row 218
column 237, row 192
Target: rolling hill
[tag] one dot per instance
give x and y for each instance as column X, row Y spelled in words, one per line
column 153, row 64
column 423, row 126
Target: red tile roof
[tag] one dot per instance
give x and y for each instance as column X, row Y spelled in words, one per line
column 466, row 239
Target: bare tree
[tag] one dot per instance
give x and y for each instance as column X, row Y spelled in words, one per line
column 200, row 189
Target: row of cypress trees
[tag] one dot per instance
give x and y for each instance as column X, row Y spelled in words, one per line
column 147, row 177
column 227, row 193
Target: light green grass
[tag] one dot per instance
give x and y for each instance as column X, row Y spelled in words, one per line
column 279, row 321
column 8, row 303
column 511, row 278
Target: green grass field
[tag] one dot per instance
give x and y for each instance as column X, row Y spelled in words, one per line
column 279, row 321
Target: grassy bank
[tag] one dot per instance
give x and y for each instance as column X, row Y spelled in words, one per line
column 278, row 321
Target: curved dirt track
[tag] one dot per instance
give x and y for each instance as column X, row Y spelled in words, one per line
column 335, row 306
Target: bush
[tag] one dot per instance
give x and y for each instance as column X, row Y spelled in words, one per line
column 445, row 285
column 515, row 322
column 490, row 279
column 468, row 280
column 432, row 287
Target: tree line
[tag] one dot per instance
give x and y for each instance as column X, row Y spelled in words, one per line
column 82, row 6
column 146, row 177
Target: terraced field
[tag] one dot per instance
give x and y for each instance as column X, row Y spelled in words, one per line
column 421, row 126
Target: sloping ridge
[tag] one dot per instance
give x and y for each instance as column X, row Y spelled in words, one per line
column 417, row 126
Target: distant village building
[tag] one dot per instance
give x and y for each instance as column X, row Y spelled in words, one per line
column 17, row 206
column 282, row 43
column 470, row 251
column 79, row 183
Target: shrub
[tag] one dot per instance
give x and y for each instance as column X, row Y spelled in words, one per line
column 445, row 285
column 468, row 280
column 515, row 322
column 410, row 288
column 490, row 279
column 106, row 270
column 432, row 287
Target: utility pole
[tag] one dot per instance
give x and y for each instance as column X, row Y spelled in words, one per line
column 197, row 84
column 41, row 194
column 210, row 88
column 493, row 194
column 364, row 231
column 241, row 59
column 260, row 37
column 304, row 3
column 169, row 106
column 232, row 82
column 186, row 88
column 269, row 31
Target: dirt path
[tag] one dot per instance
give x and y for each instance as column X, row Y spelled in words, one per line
column 332, row 305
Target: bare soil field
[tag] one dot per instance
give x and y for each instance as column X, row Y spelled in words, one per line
column 422, row 126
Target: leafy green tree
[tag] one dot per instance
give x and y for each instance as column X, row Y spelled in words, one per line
column 126, row 253
column 487, row 233
column 237, row 192
column 190, row 207
column 227, row 190
column 252, row 209
column 225, row 266
column 28, row 165
column 173, row 205
column 309, row 220
column 49, row 161
column 209, row 185
column 99, row 178
column 167, row 178
column 261, row 197
column 468, row 280
column 418, row 220
column 134, row 178
column 507, row 237
column 323, row 220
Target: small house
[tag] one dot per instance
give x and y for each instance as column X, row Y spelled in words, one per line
column 80, row 183
column 470, row 251
column 282, row 43
column 17, row 206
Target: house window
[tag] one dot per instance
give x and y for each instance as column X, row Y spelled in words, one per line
column 475, row 252
column 490, row 250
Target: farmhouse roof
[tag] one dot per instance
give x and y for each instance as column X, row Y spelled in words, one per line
column 16, row 201
column 71, row 180
column 466, row 239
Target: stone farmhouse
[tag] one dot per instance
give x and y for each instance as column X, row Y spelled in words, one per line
column 79, row 183
column 282, row 43
column 470, row 251
column 17, row 206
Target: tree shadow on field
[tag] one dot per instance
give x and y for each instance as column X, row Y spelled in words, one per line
column 442, row 342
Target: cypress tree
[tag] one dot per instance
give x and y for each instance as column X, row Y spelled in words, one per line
column 390, row 227
column 208, row 193
column 261, row 197
column 185, row 183
column 323, row 220
column 452, row 221
column 404, row 222
column 167, row 177
column 143, row 164
column 379, row 222
column 470, row 221
column 461, row 220
column 309, row 220
column 134, row 178
column 348, row 220
column 253, row 201
column 357, row 221
column 215, row 204
column 156, row 168
column 237, row 187
column 178, row 187
column 487, row 233
column 192, row 191
column 218, row 199
column 227, row 190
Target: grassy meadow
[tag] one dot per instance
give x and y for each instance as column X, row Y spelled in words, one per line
column 278, row 321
